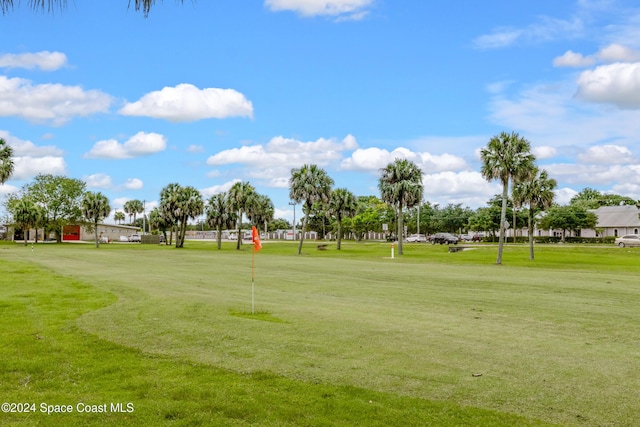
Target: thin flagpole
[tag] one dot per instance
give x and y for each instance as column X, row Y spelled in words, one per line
column 253, row 264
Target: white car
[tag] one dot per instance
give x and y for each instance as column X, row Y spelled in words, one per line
column 135, row 238
column 416, row 238
column 628, row 240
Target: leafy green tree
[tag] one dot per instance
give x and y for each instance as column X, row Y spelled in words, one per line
column 279, row 224
column 454, row 217
column 6, row 161
column 60, row 198
column 95, row 208
column 158, row 221
column 342, row 205
column 25, row 214
column 308, row 185
column 486, row 219
column 589, row 198
column 570, row 217
column 538, row 193
column 219, row 215
column 507, row 157
column 179, row 204
column 6, row 5
column 400, row 185
column 241, row 201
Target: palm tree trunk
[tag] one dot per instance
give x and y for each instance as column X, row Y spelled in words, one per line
column 219, row 237
column 400, row 230
column 530, row 232
column 239, row 242
column 513, row 226
column 304, row 228
column 95, row 229
column 339, row 233
column 503, row 218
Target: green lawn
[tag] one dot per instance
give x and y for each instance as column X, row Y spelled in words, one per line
column 347, row 337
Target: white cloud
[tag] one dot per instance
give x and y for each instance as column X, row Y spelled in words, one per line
column 141, row 144
column 216, row 189
column 466, row 187
column 373, row 159
column 617, row 84
column 618, row 53
column 345, row 9
column 573, row 59
column 98, row 180
column 133, row 184
column 597, row 175
column 7, row 189
column 544, row 152
column 187, row 103
column 27, row 167
column 45, row 60
column 607, row 154
column 28, row 148
column 564, row 195
column 49, row 103
column 286, row 153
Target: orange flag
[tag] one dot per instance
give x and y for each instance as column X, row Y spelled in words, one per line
column 255, row 238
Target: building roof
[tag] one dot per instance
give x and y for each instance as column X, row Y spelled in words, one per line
column 617, row 216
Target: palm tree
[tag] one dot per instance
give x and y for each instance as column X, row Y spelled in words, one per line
column 179, row 204
column 261, row 211
column 241, row 198
column 95, row 208
column 219, row 215
column 308, row 185
column 506, row 157
column 49, row 5
column 25, row 214
column 538, row 193
column 343, row 204
column 128, row 209
column 119, row 216
column 6, row 161
column 400, row 185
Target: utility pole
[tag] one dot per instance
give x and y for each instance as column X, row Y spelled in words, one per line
column 294, row 219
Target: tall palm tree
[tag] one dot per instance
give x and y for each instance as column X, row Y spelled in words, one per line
column 342, row 205
column 241, row 198
column 128, row 209
column 308, row 185
column 95, row 208
column 179, row 204
column 219, row 215
column 6, row 161
column 261, row 211
column 538, row 193
column 506, row 157
column 119, row 217
column 25, row 214
column 400, row 185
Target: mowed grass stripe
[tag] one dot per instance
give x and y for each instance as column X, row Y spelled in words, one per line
column 47, row 359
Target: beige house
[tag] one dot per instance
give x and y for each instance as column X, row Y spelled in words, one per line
column 615, row 221
column 75, row 233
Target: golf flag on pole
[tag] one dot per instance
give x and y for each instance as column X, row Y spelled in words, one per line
column 255, row 238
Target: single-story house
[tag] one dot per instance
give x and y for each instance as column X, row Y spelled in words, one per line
column 75, row 232
column 615, row 221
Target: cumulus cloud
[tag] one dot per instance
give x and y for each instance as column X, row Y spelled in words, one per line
column 466, row 187
column 45, row 60
column 617, row 84
column 286, row 152
column 618, row 53
column 564, row 195
column 27, row 167
column 49, row 103
column 544, row 152
column 573, row 59
column 98, row 180
column 6, row 189
column 345, row 9
column 596, row 175
column 133, row 184
column 187, row 103
column 373, row 159
column 24, row 148
column 216, row 189
column 141, row 144
column 607, row 154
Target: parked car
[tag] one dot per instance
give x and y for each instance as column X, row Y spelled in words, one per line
column 443, row 238
column 628, row 240
column 135, row 238
column 466, row 237
column 414, row 238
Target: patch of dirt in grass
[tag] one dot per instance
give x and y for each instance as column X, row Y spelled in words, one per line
column 265, row 316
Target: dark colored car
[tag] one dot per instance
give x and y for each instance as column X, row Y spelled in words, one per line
column 443, row 238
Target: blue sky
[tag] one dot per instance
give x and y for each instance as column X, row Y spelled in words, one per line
column 211, row 92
